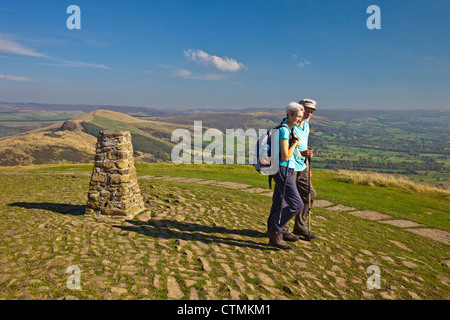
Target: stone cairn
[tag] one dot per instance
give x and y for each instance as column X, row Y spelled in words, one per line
column 114, row 189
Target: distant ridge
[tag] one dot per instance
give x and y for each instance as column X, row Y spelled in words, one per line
column 340, row 113
column 35, row 107
column 73, row 141
column 403, row 142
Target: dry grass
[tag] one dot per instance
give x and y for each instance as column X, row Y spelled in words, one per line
column 386, row 180
column 112, row 115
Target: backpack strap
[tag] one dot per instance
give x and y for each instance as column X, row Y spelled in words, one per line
column 270, row 181
column 291, row 132
column 283, row 125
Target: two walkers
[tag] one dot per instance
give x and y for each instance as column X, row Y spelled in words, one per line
column 293, row 178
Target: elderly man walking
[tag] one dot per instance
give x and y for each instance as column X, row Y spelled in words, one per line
column 301, row 174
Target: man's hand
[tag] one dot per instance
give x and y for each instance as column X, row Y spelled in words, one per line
column 307, row 153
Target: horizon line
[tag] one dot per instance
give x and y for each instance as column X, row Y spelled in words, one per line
column 212, row 109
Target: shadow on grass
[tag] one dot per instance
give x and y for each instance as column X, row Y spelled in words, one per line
column 62, row 208
column 172, row 229
column 167, row 229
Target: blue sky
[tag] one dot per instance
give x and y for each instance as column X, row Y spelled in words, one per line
column 226, row 54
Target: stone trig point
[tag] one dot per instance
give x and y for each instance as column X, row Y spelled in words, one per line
column 114, row 189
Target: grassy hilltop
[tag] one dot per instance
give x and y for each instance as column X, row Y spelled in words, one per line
column 73, row 140
column 203, row 237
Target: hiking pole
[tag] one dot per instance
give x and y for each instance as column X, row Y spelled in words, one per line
column 284, row 191
column 309, row 194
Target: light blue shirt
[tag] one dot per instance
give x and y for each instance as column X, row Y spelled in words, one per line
column 303, row 134
column 284, row 133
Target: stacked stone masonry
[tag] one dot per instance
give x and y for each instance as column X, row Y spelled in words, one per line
column 114, row 189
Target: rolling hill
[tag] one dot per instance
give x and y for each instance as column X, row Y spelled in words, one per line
column 408, row 143
column 73, row 141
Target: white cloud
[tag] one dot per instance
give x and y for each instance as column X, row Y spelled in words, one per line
column 181, row 73
column 85, row 64
column 68, row 63
column 213, row 76
column 14, row 78
column 223, row 64
column 188, row 74
column 163, row 66
column 184, row 73
column 303, row 64
column 13, row 47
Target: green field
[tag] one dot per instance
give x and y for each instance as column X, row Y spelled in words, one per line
column 407, row 143
column 39, row 116
column 12, row 123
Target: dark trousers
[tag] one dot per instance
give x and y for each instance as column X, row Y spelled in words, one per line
column 302, row 181
column 291, row 205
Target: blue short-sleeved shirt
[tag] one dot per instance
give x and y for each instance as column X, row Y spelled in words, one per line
column 303, row 134
column 284, row 133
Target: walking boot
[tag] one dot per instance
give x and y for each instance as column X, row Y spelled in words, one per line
column 276, row 240
column 287, row 235
column 305, row 234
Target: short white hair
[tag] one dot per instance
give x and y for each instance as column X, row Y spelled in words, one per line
column 294, row 107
